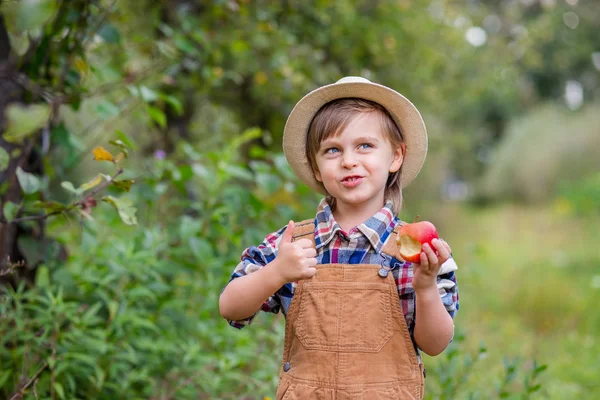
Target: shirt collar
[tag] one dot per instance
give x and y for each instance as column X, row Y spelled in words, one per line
column 376, row 229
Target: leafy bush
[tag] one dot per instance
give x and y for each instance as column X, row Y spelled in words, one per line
column 543, row 149
column 138, row 318
column 448, row 378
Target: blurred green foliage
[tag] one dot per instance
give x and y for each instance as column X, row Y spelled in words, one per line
column 543, row 151
column 197, row 94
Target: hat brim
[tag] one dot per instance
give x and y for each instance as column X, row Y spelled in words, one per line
column 405, row 114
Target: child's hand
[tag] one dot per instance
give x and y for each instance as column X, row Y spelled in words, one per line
column 295, row 260
column 425, row 273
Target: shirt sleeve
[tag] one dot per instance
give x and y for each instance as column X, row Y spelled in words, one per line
column 253, row 259
column 448, row 287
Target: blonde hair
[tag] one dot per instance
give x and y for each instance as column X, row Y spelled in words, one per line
column 333, row 118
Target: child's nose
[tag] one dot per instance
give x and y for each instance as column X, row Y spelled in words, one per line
column 349, row 160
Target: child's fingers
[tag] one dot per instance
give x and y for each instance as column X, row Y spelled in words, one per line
column 439, row 245
column 305, row 243
column 446, row 246
column 311, row 272
column 443, row 252
column 310, row 252
column 424, row 264
column 432, row 258
column 287, row 234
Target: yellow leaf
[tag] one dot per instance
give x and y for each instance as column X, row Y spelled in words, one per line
column 94, row 182
column 81, row 66
column 119, row 157
column 260, row 78
column 101, row 154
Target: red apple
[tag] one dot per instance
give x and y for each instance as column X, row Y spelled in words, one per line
column 412, row 237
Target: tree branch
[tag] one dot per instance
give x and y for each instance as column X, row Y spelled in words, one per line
column 21, row 391
column 79, row 203
column 11, row 267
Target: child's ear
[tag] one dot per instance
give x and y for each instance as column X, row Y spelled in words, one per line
column 398, row 158
column 318, row 175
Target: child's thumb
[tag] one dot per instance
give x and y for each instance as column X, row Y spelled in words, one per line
column 288, row 233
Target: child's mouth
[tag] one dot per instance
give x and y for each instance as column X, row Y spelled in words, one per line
column 352, row 181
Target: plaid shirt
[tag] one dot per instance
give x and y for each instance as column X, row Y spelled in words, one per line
column 362, row 245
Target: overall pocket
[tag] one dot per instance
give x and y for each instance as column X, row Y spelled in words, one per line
column 349, row 317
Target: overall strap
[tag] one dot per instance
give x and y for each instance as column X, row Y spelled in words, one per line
column 391, row 247
column 304, row 230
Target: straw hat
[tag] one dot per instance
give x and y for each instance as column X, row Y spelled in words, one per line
column 405, row 114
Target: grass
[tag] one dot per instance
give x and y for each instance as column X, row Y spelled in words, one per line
column 528, row 280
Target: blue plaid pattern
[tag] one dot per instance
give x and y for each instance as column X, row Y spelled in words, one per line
column 361, row 245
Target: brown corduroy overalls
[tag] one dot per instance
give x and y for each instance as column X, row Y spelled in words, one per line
column 346, row 336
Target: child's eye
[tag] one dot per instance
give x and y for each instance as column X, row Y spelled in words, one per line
column 365, row 146
column 331, row 150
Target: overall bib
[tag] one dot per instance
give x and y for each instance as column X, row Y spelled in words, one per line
column 346, row 336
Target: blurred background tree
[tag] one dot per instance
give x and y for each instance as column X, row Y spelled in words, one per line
column 104, row 304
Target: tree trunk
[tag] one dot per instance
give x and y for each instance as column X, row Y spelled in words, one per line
column 21, row 155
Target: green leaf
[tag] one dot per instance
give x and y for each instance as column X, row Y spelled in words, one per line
column 539, row 369
column 141, row 292
column 4, row 377
column 248, row 135
column 147, row 94
column 109, row 33
column 84, row 358
column 124, row 184
column 173, row 102
column 23, row 121
column 19, row 43
column 534, row 388
column 70, row 145
column 121, row 145
column 42, row 277
column 33, row 14
column 69, row 186
column 50, row 206
column 89, row 317
column 268, row 182
column 107, row 110
column 126, row 139
column 113, row 307
column 140, row 322
column 31, row 248
column 29, row 182
column 157, row 116
column 4, row 159
column 184, row 44
column 238, row 172
column 59, row 390
column 125, row 208
column 201, row 248
column 100, row 377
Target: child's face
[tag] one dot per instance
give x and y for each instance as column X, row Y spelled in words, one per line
column 354, row 165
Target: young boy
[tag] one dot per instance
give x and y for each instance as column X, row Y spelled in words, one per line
column 350, row 301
